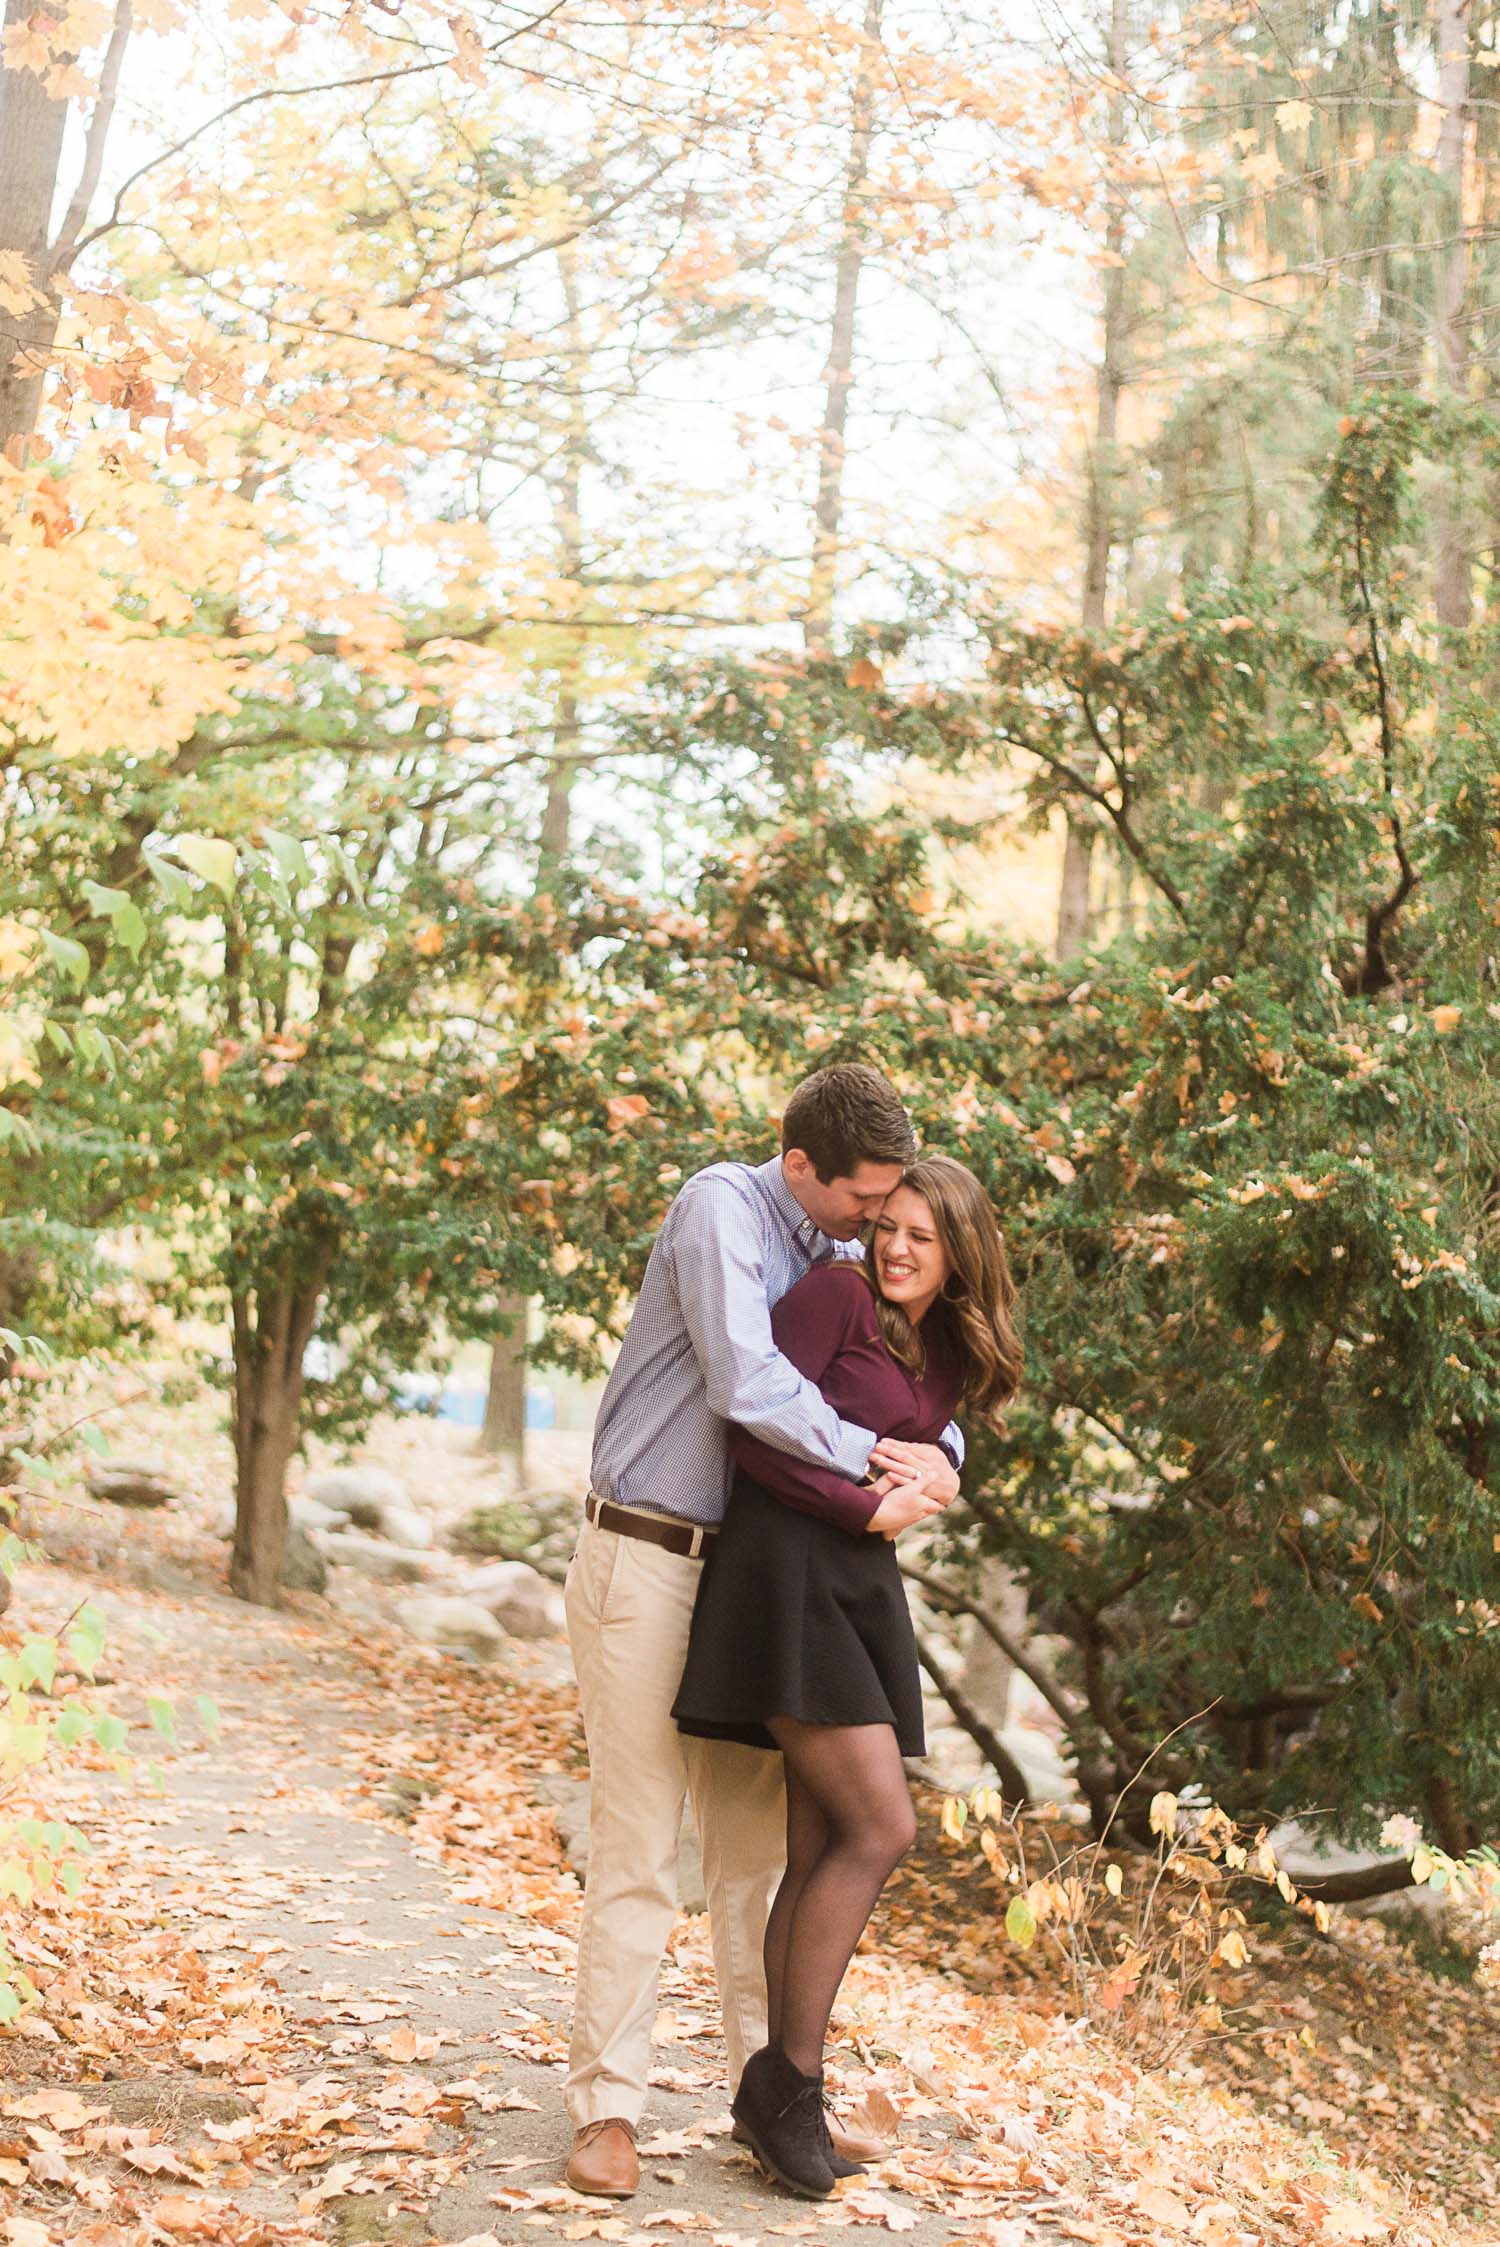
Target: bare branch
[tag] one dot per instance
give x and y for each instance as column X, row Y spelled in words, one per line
column 62, row 249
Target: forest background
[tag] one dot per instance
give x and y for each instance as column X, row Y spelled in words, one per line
column 561, row 567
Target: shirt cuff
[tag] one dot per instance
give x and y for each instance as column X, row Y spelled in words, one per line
column 852, row 1456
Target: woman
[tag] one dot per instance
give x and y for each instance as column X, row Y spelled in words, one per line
column 801, row 1638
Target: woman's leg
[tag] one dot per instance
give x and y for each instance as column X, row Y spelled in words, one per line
column 806, row 1839
column 853, row 1777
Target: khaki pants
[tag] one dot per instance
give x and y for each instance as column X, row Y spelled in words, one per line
column 629, row 1605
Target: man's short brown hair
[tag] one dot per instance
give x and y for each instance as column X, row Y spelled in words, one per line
column 845, row 1115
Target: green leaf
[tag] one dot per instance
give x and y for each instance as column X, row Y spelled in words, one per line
column 344, row 861
column 175, row 887
column 57, row 1037
column 72, row 1875
column 85, row 1641
column 106, row 902
column 118, row 908
column 1020, row 1922
column 290, row 857
column 10, row 2003
column 68, row 955
column 94, row 1045
column 215, row 860
column 162, row 1716
column 70, row 1727
column 13, row 1126
column 15, row 1880
column 39, row 1662
column 110, row 1733
column 130, row 928
column 207, row 1709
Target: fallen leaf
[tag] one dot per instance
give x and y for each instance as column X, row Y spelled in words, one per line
column 1163, row 2207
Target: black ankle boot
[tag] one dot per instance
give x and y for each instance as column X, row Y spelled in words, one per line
column 780, row 2111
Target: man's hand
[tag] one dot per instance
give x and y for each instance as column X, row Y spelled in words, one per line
column 903, row 1506
column 934, row 1467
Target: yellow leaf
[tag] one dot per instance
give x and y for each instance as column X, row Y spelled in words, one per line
column 1263, row 169
column 1446, row 1018
column 1291, row 116
column 209, row 856
column 955, row 1817
column 1164, row 1814
column 17, row 292
column 1114, row 1879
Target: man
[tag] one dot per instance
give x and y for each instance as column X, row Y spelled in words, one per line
column 699, row 1353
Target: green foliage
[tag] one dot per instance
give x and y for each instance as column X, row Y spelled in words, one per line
column 1245, row 1155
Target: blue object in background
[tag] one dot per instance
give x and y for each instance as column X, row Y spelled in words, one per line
column 463, row 1406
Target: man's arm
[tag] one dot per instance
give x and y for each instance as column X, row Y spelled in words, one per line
column 721, row 1286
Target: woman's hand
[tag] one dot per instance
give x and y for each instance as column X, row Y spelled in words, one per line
column 904, row 1506
column 893, row 1457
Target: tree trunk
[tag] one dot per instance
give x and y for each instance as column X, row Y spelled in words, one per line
column 503, row 1435
column 32, row 125
column 988, row 1672
column 838, row 372
column 272, row 1329
column 1075, row 923
column 1453, row 589
column 1007, row 1771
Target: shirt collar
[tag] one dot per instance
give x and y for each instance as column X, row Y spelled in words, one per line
column 787, row 1206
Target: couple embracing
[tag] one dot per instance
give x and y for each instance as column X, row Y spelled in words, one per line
column 782, row 1408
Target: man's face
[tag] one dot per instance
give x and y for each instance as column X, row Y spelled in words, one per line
column 843, row 1207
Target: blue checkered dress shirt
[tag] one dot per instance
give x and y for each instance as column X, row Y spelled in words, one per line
column 698, row 1351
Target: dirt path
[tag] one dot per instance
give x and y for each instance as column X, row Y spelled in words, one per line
column 309, row 2013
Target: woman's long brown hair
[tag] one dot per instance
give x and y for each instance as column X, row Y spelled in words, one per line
column 978, row 1296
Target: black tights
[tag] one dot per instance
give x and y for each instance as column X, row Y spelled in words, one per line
column 849, row 1822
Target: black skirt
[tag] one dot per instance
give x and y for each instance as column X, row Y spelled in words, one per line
column 796, row 1617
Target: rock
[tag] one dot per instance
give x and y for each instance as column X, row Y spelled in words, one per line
column 1306, row 1854
column 311, row 1513
column 371, row 1556
column 363, row 1493
column 457, row 1626
column 405, row 1526
column 303, row 1568
column 569, row 1802
column 301, row 1513
column 372, row 1500
column 523, row 1601
column 130, row 1482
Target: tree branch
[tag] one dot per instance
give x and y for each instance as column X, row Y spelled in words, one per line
column 61, row 253
column 955, row 1602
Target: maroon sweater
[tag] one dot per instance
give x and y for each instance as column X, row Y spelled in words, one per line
column 828, row 1326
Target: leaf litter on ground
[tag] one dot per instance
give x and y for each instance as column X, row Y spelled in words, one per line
column 1010, row 2117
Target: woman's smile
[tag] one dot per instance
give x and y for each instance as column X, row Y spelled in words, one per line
column 910, row 1265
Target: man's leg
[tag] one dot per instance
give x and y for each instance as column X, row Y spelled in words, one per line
column 629, row 1605
column 739, row 1802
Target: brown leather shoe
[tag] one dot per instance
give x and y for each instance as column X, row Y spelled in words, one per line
column 604, row 2160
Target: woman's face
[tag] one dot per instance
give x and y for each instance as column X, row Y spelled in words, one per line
column 910, row 1266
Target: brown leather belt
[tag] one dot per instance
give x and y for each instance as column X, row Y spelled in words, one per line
column 685, row 1537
